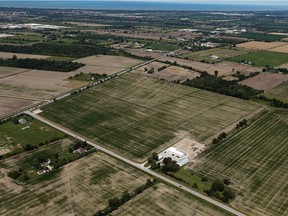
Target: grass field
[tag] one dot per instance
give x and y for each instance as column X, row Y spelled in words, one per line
column 162, row 46
column 220, row 52
column 14, row 137
column 82, row 187
column 255, row 159
column 280, row 92
column 263, row 58
column 163, row 200
column 136, row 115
column 261, row 36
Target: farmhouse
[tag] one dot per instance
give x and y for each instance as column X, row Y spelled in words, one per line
column 176, row 155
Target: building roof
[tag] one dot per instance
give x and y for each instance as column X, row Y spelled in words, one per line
column 173, row 150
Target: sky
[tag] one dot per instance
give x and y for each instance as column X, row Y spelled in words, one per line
column 252, row 2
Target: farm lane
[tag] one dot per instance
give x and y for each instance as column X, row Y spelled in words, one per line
column 136, row 165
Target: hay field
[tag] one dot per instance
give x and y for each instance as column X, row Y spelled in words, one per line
column 265, row 81
column 255, row 159
column 106, row 64
column 163, row 200
column 82, row 187
column 261, row 45
column 220, row 52
column 135, row 115
column 263, row 58
column 224, row 68
column 10, row 55
column 280, row 92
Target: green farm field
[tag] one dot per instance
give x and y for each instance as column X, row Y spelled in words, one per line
column 163, row 200
column 14, row 138
column 260, row 36
column 280, row 92
column 223, row 53
column 162, row 46
column 82, row 187
column 263, row 58
column 135, row 115
column 255, row 160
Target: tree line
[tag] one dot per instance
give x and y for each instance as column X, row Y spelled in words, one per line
column 73, row 50
column 40, row 64
column 116, row 202
column 274, row 102
column 219, row 85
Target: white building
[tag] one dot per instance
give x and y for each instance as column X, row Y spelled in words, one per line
column 176, row 155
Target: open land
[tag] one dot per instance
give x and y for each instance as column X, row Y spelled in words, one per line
column 21, row 87
column 163, row 200
column 171, row 73
column 255, row 159
column 8, row 71
column 263, row 58
column 222, row 53
column 265, row 81
column 281, row 49
column 34, row 84
column 261, row 45
column 134, row 115
column 10, row 104
column 224, row 68
column 19, row 55
column 106, row 64
column 144, row 53
column 82, row 187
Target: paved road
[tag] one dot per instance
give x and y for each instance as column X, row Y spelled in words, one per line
column 138, row 166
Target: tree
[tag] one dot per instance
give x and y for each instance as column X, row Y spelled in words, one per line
column 244, row 122
column 217, row 185
column 14, row 57
column 14, row 174
column 216, row 73
column 215, row 141
column 153, row 165
column 195, row 185
column 125, row 197
column 114, row 203
column 155, row 156
column 227, row 181
column 229, row 194
column 148, row 183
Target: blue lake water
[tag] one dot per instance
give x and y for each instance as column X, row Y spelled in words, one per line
column 125, row 5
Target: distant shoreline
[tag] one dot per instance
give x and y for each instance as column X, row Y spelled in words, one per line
column 136, row 5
